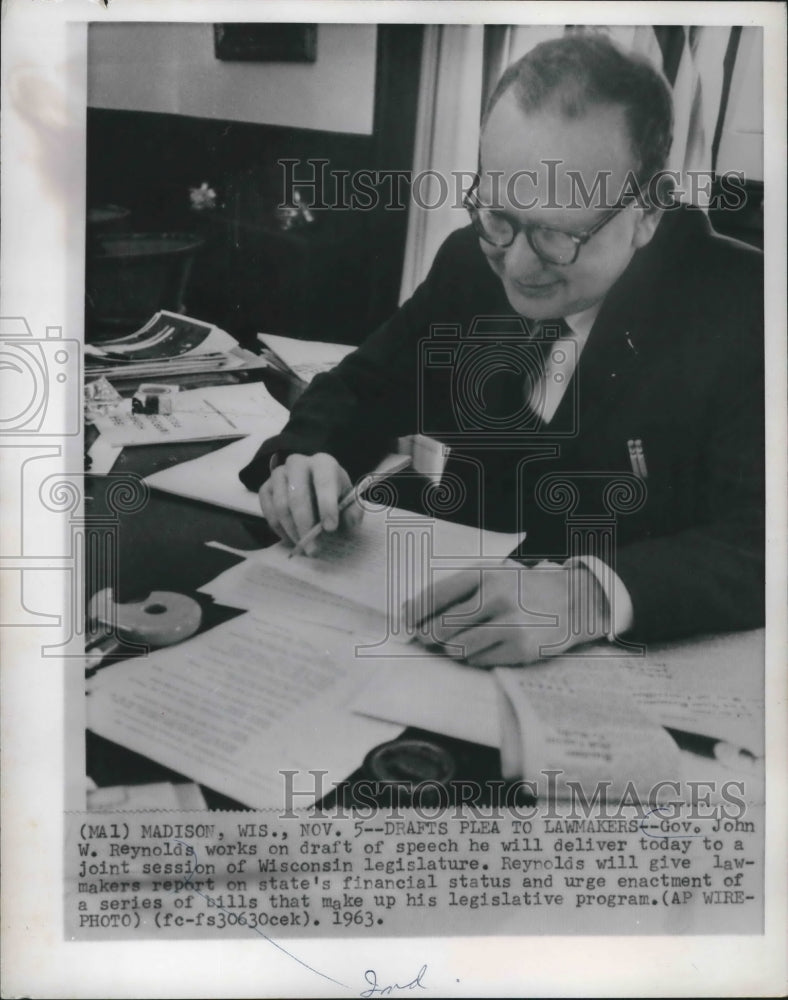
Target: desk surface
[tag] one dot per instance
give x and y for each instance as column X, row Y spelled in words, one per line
column 161, row 546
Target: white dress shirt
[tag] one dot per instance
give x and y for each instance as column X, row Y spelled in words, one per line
column 560, row 363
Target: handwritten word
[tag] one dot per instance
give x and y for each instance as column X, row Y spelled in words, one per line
column 374, row 990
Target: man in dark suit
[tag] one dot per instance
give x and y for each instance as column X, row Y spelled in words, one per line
column 595, row 364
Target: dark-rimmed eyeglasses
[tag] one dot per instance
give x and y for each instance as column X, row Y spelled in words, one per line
column 554, row 246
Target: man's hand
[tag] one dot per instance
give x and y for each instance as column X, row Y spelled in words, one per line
column 305, row 490
column 507, row 615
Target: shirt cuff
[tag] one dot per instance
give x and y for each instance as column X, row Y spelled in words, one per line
column 622, row 615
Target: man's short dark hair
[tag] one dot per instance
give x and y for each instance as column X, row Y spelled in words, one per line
column 581, row 69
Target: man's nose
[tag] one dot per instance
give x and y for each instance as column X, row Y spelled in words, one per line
column 520, row 259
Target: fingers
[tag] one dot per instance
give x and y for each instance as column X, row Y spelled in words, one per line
column 266, row 497
column 297, row 497
column 443, row 594
column 478, row 646
column 329, row 483
column 446, row 626
column 503, row 649
column 492, row 643
column 480, row 617
column 275, row 503
column 303, row 491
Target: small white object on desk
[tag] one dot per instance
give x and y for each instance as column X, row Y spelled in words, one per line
column 152, row 397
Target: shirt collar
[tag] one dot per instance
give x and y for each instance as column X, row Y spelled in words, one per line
column 580, row 323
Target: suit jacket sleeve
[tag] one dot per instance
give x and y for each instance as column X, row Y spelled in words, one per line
column 355, row 411
column 710, row 575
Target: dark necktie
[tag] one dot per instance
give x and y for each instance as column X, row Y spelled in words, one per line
column 497, row 407
column 512, row 376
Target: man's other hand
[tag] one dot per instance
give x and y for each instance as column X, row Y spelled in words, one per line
column 305, row 490
column 509, row 615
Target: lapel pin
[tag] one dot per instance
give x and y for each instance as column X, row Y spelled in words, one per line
column 637, row 458
column 641, row 458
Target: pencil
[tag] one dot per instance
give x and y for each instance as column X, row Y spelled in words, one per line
column 347, row 500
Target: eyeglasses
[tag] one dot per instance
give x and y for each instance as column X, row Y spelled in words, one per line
column 555, row 246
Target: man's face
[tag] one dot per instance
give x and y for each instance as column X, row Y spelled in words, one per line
column 514, row 142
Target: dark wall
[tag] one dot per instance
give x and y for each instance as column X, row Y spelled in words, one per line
column 335, row 279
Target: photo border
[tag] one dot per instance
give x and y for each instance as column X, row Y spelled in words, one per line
column 43, row 203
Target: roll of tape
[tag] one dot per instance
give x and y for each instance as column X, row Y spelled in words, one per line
column 162, row 619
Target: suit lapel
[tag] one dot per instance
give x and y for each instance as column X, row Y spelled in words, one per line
column 612, row 357
column 622, row 338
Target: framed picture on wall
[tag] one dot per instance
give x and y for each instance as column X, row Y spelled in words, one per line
column 265, row 42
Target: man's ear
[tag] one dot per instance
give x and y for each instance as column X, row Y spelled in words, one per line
column 652, row 204
column 646, row 225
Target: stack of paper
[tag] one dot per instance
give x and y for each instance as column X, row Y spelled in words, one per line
column 703, row 686
column 168, row 345
column 321, row 669
column 707, row 685
column 273, row 689
column 571, row 723
column 236, row 706
column 387, row 560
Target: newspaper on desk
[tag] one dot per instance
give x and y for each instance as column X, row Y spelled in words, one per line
column 169, row 344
